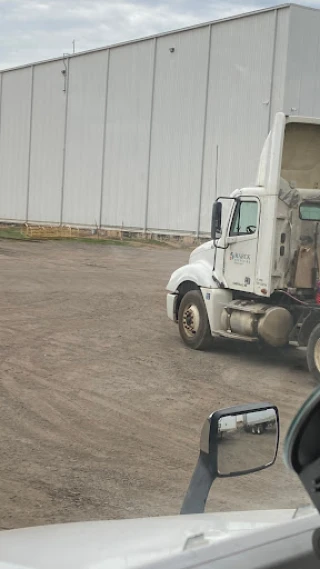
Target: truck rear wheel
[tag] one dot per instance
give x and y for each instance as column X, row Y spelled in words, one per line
column 193, row 321
column 313, row 353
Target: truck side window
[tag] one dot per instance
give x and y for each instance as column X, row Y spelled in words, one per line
column 245, row 219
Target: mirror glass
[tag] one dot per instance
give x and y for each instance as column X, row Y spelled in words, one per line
column 217, row 215
column 216, row 221
column 246, row 442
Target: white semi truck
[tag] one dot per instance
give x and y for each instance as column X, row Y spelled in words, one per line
column 229, row 424
column 257, row 279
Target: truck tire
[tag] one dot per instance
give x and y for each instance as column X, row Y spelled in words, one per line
column 313, row 352
column 193, row 321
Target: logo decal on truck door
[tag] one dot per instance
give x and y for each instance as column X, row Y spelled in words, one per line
column 240, row 258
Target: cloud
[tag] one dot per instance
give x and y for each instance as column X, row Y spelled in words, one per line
column 33, row 30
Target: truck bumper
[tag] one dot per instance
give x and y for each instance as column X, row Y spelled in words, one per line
column 171, row 306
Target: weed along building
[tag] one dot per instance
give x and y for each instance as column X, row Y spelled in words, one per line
column 141, row 136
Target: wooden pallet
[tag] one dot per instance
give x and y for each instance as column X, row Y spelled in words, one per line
column 37, row 232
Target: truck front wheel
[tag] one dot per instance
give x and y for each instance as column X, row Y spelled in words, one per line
column 313, row 353
column 193, row 321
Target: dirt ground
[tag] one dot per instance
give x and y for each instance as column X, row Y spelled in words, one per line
column 101, row 405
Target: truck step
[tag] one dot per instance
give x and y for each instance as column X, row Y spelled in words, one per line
column 233, row 336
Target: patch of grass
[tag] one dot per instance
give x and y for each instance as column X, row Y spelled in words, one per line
column 20, row 234
column 119, row 242
column 12, row 233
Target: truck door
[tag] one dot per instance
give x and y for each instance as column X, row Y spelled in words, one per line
column 242, row 242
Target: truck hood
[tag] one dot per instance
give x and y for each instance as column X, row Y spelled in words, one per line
column 200, row 252
column 124, row 544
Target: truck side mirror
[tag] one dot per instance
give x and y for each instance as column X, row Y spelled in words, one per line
column 216, row 219
column 233, row 442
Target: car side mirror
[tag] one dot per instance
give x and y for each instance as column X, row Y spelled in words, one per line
column 234, row 441
column 302, row 446
column 216, row 220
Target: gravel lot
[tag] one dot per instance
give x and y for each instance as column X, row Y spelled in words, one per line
column 101, row 405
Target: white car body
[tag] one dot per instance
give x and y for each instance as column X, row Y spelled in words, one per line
column 128, row 544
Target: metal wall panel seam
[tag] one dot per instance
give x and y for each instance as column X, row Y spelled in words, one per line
column 104, row 136
column 273, row 66
column 64, row 142
column 1, row 83
column 30, row 139
column 204, row 129
column 150, row 135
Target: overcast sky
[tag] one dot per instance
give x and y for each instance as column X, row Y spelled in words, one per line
column 33, row 30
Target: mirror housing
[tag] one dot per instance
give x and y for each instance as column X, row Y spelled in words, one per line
column 228, row 426
column 302, row 446
column 227, row 458
column 240, row 451
column 216, row 220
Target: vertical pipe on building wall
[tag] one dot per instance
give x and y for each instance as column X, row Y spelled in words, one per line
column 204, row 130
column 30, row 141
column 216, row 172
column 104, row 136
column 150, row 134
column 275, row 29
column 66, row 90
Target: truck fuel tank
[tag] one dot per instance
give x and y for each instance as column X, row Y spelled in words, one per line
column 272, row 324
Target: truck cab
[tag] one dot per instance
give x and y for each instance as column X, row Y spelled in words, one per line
column 257, row 279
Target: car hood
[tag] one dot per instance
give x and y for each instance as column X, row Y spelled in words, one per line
column 124, row 544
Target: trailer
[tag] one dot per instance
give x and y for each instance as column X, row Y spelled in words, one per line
column 258, row 423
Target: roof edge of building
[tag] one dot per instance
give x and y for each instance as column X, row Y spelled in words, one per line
column 159, row 35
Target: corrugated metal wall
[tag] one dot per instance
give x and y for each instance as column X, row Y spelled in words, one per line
column 302, row 85
column 177, row 130
column 47, row 141
column 239, row 95
column 15, row 112
column 141, row 135
column 86, row 101
column 127, row 135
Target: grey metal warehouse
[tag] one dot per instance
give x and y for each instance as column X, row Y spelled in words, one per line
column 143, row 135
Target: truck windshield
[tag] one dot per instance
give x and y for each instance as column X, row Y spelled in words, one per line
column 310, row 211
